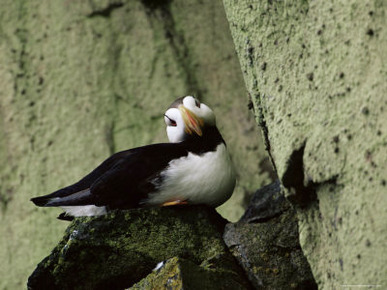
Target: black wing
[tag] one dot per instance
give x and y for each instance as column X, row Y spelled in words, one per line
column 121, row 181
column 85, row 182
column 130, row 180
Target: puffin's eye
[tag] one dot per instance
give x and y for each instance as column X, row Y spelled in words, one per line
column 171, row 122
column 197, row 103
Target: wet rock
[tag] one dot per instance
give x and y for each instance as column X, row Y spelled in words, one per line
column 265, row 242
column 266, row 204
column 119, row 249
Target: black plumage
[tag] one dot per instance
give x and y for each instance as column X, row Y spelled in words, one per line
column 126, row 178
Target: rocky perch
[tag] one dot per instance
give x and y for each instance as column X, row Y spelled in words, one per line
column 180, row 247
column 119, row 249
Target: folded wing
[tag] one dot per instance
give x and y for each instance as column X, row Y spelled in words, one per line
column 121, row 181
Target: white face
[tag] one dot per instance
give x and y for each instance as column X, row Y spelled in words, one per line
column 187, row 116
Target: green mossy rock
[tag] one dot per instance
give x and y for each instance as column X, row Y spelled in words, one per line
column 177, row 273
column 116, row 250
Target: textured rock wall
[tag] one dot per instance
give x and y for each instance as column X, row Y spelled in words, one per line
column 317, row 77
column 82, row 79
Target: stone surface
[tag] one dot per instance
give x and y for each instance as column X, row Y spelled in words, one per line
column 265, row 242
column 119, row 249
column 177, row 273
column 83, row 79
column 317, row 77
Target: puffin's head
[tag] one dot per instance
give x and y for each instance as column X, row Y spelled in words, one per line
column 187, row 117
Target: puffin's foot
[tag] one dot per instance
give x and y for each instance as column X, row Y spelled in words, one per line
column 174, row 202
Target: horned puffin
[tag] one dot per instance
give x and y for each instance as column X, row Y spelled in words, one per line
column 194, row 168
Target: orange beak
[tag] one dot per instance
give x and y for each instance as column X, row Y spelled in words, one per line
column 192, row 122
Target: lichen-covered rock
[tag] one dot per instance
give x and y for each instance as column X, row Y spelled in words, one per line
column 168, row 276
column 178, row 273
column 116, row 250
column 265, row 242
column 316, row 73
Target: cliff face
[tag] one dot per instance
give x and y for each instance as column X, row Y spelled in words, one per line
column 83, row 79
column 316, row 75
column 80, row 81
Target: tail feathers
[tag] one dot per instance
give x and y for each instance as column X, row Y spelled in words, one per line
column 82, row 197
column 40, row 200
column 65, row 217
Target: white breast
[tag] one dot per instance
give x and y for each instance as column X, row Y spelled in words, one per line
column 208, row 178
